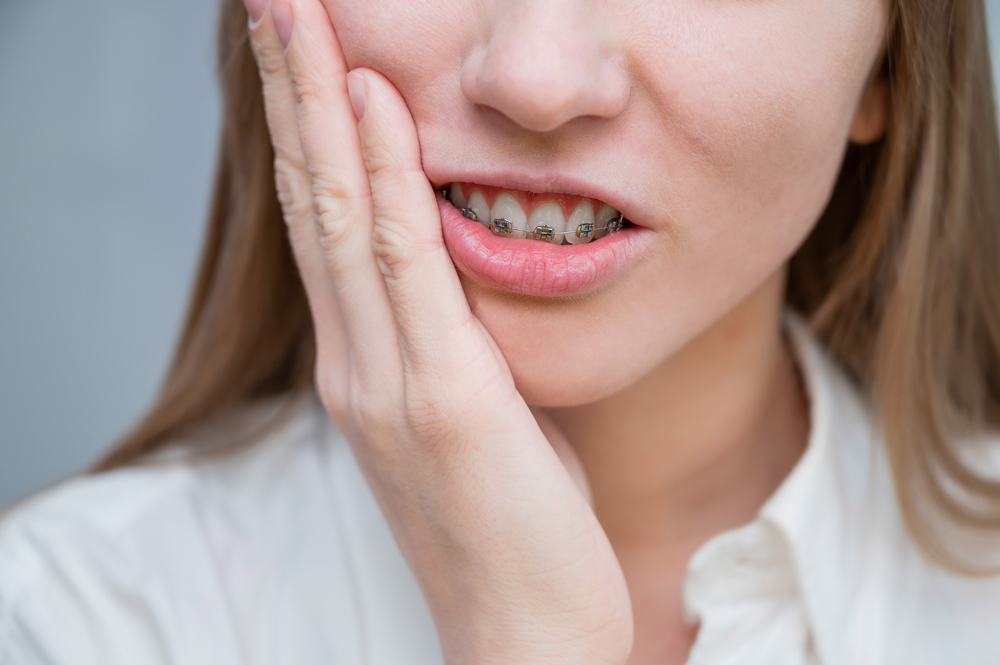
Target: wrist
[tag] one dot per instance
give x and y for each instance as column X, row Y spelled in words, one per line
column 590, row 636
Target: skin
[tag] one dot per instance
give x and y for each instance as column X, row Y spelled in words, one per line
column 718, row 125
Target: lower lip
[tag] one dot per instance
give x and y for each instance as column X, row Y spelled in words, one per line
column 535, row 267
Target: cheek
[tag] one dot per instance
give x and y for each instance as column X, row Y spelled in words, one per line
column 754, row 104
column 756, row 100
column 402, row 39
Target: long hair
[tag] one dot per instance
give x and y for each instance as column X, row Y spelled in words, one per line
column 900, row 277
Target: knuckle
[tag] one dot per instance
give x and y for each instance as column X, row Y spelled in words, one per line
column 260, row 47
column 270, row 62
column 293, row 188
column 333, row 396
column 376, row 423
column 381, row 161
column 330, row 185
column 308, row 96
column 430, row 420
column 366, row 411
column 393, row 247
column 359, row 409
column 388, row 183
column 396, row 240
column 338, row 212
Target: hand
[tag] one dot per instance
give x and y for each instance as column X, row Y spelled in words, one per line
column 509, row 555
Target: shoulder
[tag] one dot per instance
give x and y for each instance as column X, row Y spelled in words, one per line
column 154, row 502
column 75, row 560
column 870, row 592
column 142, row 564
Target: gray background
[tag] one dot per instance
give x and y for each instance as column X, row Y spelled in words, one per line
column 108, row 120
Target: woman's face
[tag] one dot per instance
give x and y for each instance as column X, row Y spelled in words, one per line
column 716, row 126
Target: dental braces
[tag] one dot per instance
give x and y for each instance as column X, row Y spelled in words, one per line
column 504, row 227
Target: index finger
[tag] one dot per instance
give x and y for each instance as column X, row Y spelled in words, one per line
column 341, row 195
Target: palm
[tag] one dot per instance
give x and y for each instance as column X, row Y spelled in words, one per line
column 497, row 530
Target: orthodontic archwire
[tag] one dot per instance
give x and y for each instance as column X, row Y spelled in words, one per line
column 504, row 227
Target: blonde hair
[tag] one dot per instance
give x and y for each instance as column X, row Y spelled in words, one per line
column 900, row 277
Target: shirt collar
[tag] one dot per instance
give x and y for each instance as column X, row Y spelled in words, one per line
column 820, row 509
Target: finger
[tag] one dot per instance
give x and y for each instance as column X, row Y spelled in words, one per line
column 339, row 184
column 429, row 305
column 294, row 187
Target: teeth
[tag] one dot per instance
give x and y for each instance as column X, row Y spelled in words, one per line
column 507, row 207
column 604, row 215
column 477, row 202
column 582, row 214
column 458, row 197
column 548, row 215
column 547, row 221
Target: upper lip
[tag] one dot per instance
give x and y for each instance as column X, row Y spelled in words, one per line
column 550, row 183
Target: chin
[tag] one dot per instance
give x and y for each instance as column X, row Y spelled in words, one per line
column 563, row 379
column 560, row 352
column 549, row 387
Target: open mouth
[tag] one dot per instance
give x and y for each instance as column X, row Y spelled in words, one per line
column 553, row 218
column 547, row 244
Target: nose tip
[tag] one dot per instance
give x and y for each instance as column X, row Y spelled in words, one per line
column 544, row 66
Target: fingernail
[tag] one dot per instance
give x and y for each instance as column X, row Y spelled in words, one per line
column 255, row 10
column 281, row 14
column 356, row 91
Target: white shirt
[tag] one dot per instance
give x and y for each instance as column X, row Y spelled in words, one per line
column 280, row 555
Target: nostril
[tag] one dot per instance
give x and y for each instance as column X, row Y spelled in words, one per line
column 544, row 88
column 532, row 104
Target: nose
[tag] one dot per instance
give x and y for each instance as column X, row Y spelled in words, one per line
column 546, row 62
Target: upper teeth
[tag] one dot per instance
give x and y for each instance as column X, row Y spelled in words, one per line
column 547, row 221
